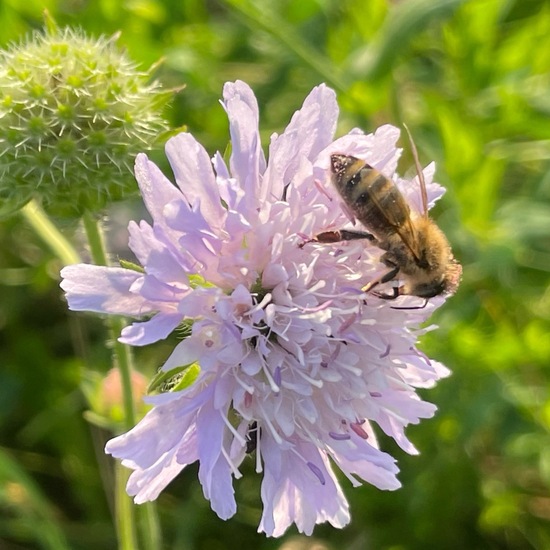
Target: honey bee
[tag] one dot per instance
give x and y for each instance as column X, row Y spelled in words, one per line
column 416, row 250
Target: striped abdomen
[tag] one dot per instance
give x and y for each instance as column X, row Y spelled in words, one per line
column 372, row 197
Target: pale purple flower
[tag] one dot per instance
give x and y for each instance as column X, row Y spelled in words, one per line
column 292, row 355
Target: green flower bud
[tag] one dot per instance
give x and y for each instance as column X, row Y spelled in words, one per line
column 73, row 113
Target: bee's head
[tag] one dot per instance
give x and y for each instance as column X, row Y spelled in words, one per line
column 445, row 283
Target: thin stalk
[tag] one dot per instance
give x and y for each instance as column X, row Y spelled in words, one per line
column 124, row 511
column 122, row 355
column 49, row 233
column 149, row 525
column 122, row 358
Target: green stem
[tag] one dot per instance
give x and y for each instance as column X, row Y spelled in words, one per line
column 124, row 511
column 96, row 241
column 49, row 233
column 150, row 526
column 122, row 358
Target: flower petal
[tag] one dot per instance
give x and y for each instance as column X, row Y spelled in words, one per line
column 153, row 330
column 310, row 130
column 156, row 189
column 247, row 158
column 214, row 470
column 293, row 492
column 195, row 177
column 103, row 290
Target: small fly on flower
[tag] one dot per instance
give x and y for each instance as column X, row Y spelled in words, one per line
column 416, row 250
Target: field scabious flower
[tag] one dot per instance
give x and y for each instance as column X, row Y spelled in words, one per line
column 296, row 363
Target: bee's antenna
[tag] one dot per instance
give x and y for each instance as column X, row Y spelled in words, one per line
column 423, row 192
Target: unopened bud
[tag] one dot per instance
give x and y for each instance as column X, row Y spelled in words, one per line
column 74, row 111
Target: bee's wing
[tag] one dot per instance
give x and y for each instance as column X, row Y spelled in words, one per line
column 420, row 173
column 397, row 217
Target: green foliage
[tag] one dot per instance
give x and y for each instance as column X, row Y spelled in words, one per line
column 471, row 79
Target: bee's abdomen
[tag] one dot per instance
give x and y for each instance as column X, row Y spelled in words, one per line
column 371, row 196
column 368, row 183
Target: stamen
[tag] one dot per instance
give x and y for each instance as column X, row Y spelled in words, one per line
column 281, row 333
column 418, row 353
column 312, row 437
column 315, row 469
column 346, row 324
column 317, row 472
column 354, row 370
column 321, row 189
column 375, row 394
column 261, row 305
column 234, row 469
column 232, row 429
column 386, row 353
column 319, row 284
column 356, row 427
column 248, row 388
column 320, row 307
column 312, row 381
column 270, row 425
column 335, row 354
column 339, row 437
column 276, row 388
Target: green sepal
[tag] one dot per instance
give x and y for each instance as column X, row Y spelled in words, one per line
column 184, row 375
column 188, row 377
column 126, row 264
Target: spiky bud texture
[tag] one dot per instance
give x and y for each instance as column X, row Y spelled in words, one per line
column 73, row 113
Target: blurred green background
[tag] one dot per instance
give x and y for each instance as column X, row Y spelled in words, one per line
column 472, row 81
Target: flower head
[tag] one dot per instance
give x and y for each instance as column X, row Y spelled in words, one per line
column 296, row 363
column 73, row 110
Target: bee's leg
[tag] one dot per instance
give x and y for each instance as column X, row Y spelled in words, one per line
column 384, row 278
column 351, row 235
column 412, row 307
column 339, row 236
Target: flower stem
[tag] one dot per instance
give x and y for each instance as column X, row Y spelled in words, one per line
column 124, row 511
column 122, row 358
column 49, row 233
column 150, row 527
